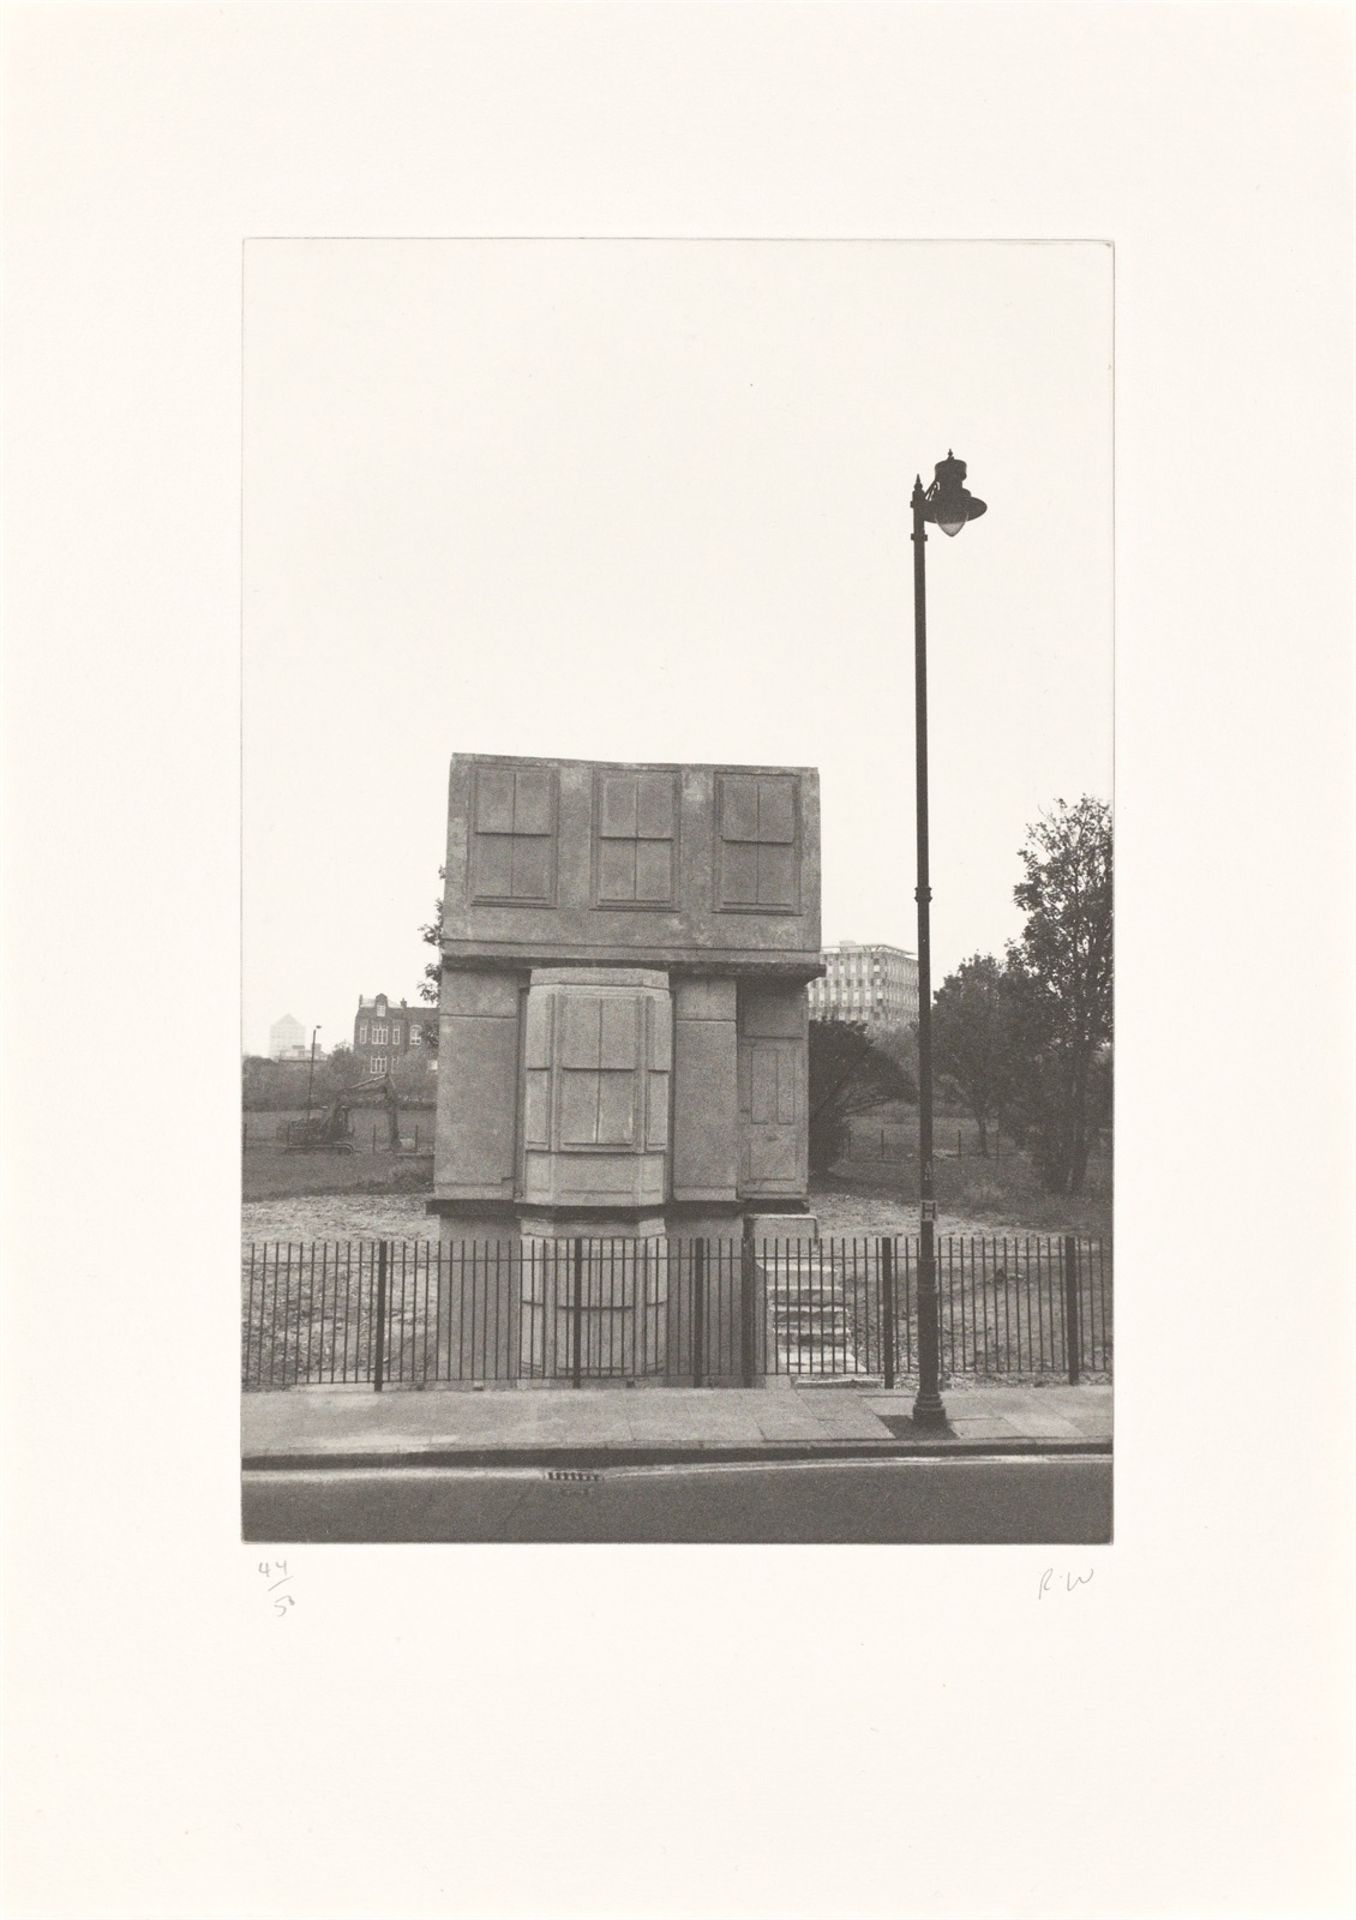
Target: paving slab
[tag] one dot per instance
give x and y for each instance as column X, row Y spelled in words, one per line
column 1094, row 1420
column 1036, row 1426
column 331, row 1423
column 861, row 1426
column 774, row 1427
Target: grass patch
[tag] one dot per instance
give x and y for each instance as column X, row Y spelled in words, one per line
column 1001, row 1190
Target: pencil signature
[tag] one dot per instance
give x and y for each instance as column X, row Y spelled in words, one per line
column 1072, row 1581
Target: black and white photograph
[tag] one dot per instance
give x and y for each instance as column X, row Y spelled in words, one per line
column 679, row 877
column 733, row 1138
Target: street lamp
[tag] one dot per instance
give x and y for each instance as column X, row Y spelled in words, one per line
column 947, row 504
column 310, row 1078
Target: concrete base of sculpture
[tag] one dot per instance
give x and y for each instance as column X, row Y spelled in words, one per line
column 782, row 1227
column 530, row 1298
column 593, row 1306
column 477, row 1317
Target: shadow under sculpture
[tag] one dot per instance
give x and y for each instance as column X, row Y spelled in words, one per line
column 622, row 1077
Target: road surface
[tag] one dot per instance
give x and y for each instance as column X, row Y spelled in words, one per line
column 1042, row 1500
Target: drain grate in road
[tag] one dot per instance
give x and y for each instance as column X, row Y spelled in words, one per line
column 574, row 1475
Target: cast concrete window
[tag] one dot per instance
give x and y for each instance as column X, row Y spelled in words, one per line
column 378, row 1063
column 513, row 841
column 362, row 1033
column 758, row 859
column 395, row 1035
column 612, row 1055
column 634, row 816
column 597, row 1063
column 416, row 1035
column 378, row 1036
column 599, row 1060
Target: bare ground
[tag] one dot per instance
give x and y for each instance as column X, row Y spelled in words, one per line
column 840, row 1208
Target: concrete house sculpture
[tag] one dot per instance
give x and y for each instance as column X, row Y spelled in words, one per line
column 623, row 1045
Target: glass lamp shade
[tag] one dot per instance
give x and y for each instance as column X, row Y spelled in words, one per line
column 949, row 503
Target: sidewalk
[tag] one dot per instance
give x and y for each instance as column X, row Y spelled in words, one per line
column 353, row 1427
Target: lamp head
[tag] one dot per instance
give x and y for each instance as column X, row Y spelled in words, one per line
column 946, row 502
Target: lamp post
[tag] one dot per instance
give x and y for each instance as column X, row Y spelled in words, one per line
column 310, row 1078
column 947, row 505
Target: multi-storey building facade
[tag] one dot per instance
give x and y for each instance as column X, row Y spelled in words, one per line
column 286, row 1039
column 877, row 985
column 385, row 1034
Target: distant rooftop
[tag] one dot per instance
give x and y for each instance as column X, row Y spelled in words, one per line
column 865, row 946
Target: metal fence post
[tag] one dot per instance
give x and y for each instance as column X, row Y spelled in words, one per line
column 379, row 1355
column 746, row 1266
column 1073, row 1332
column 577, row 1313
column 887, row 1308
column 698, row 1310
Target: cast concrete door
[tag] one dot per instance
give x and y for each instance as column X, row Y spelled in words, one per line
column 772, row 1138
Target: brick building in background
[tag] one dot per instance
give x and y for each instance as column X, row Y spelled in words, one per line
column 385, row 1034
column 877, row 985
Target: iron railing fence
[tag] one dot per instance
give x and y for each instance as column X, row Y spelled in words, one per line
column 673, row 1311
column 896, row 1141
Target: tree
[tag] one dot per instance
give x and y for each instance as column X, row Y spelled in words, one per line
column 259, row 1084
column 344, row 1067
column 280, row 1086
column 429, row 986
column 848, row 1074
column 412, row 1078
column 900, row 1044
column 1058, row 988
column 972, row 1038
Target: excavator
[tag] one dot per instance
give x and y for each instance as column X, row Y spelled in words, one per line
column 329, row 1132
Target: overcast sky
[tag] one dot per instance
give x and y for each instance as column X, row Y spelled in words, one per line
column 648, row 500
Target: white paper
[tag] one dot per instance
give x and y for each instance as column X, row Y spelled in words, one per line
column 687, row 1731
